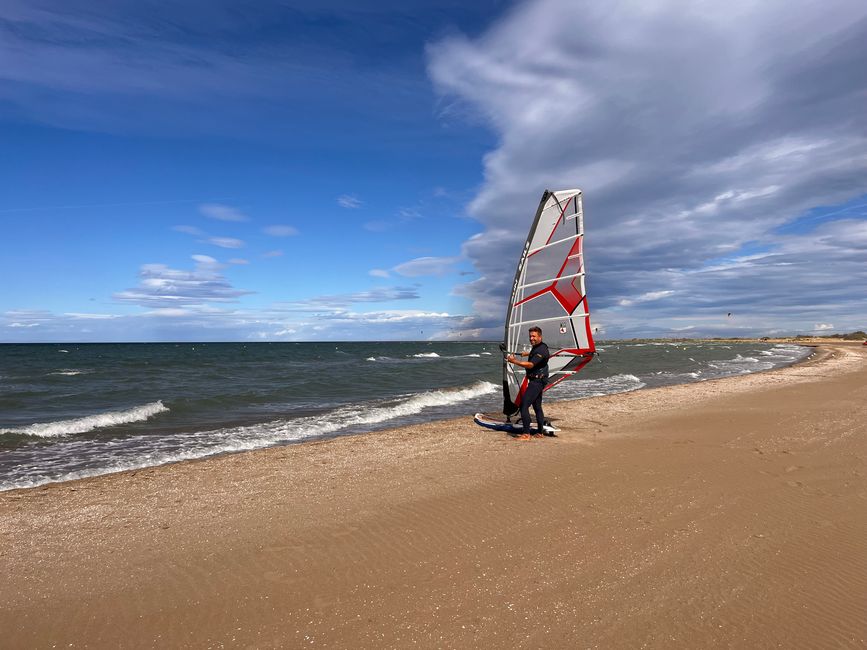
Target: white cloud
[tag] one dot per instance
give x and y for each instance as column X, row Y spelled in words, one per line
column 422, row 266
column 222, row 212
column 696, row 136
column 226, row 242
column 348, row 201
column 168, row 312
column 379, row 273
column 336, row 302
column 238, row 260
column 274, row 253
column 222, row 242
column 646, row 297
column 91, row 316
column 205, row 260
column 280, row 231
column 325, row 317
column 823, row 326
column 162, row 286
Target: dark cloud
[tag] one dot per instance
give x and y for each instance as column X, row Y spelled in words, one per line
column 696, row 136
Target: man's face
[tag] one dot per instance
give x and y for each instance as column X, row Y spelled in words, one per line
column 535, row 338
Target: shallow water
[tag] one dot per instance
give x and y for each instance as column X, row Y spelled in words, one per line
column 69, row 411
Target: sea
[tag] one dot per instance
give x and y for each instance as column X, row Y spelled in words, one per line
column 69, row 411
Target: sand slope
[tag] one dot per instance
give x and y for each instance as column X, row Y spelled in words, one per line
column 730, row 513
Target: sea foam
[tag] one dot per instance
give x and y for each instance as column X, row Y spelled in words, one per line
column 62, row 428
column 148, row 451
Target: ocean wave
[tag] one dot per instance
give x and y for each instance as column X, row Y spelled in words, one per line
column 426, row 355
column 89, row 423
column 579, row 388
column 68, row 373
column 149, row 451
column 353, row 416
column 740, row 365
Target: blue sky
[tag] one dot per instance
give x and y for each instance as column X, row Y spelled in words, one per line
column 363, row 171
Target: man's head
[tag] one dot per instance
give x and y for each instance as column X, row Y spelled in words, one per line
column 535, row 335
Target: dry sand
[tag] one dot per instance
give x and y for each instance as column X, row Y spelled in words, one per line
column 726, row 514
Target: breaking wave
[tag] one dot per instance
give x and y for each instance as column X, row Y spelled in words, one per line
column 580, row 388
column 62, row 428
column 147, row 451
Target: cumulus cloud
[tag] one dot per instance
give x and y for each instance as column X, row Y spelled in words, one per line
column 336, row 317
column 163, row 287
column 698, row 137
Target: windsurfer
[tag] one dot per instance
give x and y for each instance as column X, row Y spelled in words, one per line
column 537, row 376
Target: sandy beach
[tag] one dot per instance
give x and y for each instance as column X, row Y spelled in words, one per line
column 728, row 514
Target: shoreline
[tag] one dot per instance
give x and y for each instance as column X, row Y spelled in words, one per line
column 552, row 399
column 728, row 512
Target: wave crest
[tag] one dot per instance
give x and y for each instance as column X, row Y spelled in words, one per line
column 62, row 428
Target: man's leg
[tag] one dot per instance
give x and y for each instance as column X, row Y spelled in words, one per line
column 525, row 412
column 531, row 395
column 540, row 416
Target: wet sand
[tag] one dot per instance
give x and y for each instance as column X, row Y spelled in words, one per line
column 730, row 513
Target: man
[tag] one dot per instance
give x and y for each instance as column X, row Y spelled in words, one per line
column 537, row 377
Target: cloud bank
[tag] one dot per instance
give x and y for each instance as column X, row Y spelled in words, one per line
column 707, row 138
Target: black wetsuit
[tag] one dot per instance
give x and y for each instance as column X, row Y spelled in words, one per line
column 537, row 377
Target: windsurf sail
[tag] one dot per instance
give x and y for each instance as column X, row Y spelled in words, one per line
column 548, row 292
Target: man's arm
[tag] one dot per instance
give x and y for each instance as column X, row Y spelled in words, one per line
column 524, row 364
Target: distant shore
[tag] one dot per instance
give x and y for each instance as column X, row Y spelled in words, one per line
column 727, row 513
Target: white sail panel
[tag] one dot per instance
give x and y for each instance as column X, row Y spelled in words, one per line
column 549, row 293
